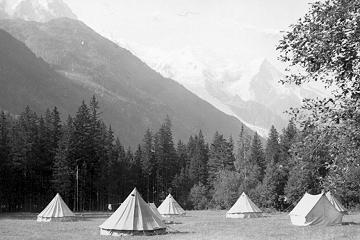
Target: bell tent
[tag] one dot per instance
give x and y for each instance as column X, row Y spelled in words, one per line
column 134, row 216
column 315, row 210
column 244, row 208
column 56, row 210
column 155, row 211
column 169, row 207
column 336, row 203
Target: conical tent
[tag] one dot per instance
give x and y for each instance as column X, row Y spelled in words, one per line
column 56, row 210
column 244, row 208
column 134, row 216
column 155, row 211
column 336, row 203
column 315, row 210
column 169, row 207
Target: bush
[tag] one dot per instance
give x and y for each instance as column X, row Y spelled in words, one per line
column 226, row 188
column 198, row 196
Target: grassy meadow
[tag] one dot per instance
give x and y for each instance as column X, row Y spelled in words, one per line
column 196, row 225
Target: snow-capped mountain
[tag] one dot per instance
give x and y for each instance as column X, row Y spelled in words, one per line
column 35, row 10
column 251, row 93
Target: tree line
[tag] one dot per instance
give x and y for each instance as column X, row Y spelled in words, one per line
column 83, row 160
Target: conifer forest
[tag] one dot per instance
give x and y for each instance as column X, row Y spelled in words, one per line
column 82, row 160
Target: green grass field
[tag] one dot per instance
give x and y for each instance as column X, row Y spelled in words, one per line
column 196, row 225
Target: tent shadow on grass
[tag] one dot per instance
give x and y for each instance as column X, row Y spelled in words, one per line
column 18, row 217
column 350, row 223
column 94, row 214
column 171, row 223
column 179, row 232
column 32, row 216
column 81, row 219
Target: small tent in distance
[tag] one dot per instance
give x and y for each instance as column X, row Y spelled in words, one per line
column 169, row 207
column 336, row 203
column 155, row 211
column 315, row 210
column 133, row 217
column 244, row 208
column 56, row 210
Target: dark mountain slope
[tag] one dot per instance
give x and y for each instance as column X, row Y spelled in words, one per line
column 133, row 96
column 28, row 80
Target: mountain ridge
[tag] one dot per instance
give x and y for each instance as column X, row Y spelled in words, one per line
column 19, row 66
column 251, row 93
column 35, row 10
column 133, row 96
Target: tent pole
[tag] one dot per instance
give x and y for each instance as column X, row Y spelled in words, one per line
column 77, row 187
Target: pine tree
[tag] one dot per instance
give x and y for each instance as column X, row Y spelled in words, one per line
column 287, row 138
column 272, row 190
column 81, row 152
column 129, row 174
column 148, row 162
column 181, row 187
column 45, row 160
column 165, row 157
column 272, row 150
column 64, row 172
column 221, row 157
column 198, row 159
column 136, row 172
column 252, row 170
column 182, row 154
column 97, row 129
column 5, row 161
column 116, row 171
column 56, row 129
column 243, row 152
column 182, row 183
column 26, row 155
column 257, row 155
column 105, row 152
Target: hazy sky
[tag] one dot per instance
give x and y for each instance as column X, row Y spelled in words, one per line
column 226, row 30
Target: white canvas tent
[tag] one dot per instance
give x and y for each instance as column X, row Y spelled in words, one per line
column 336, row 203
column 155, row 211
column 169, row 207
column 315, row 210
column 134, row 216
column 56, row 210
column 244, row 208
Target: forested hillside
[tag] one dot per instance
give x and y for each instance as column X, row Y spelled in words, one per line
column 41, row 155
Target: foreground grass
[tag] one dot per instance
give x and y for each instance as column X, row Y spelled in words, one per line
column 196, row 225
